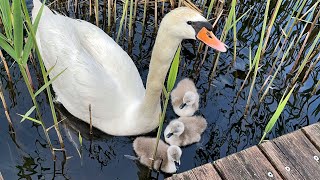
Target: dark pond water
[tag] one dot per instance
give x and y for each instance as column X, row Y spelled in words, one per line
column 229, row 131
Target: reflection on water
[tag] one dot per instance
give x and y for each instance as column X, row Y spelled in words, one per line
column 27, row 156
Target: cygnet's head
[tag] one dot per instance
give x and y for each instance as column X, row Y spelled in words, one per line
column 174, row 128
column 174, row 154
column 189, row 99
column 185, row 23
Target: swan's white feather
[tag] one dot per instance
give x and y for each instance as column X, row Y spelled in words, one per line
column 101, row 73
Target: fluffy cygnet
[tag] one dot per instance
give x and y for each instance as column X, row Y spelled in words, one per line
column 185, row 98
column 185, row 130
column 167, row 158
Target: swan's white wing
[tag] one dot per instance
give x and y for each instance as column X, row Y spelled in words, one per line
column 112, row 57
column 94, row 72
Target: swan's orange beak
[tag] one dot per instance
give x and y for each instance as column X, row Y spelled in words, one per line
column 211, row 40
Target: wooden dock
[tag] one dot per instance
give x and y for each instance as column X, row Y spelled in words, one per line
column 292, row 156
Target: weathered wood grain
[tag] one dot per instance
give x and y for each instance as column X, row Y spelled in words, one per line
column 292, row 156
column 297, row 152
column 247, row 164
column 313, row 133
column 203, row 172
column 280, row 161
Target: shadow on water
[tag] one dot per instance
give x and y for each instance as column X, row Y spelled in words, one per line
column 101, row 156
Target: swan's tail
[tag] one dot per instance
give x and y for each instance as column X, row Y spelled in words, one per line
column 36, row 8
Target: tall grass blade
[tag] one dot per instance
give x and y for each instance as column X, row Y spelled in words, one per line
column 278, row 69
column 131, row 18
column 173, row 70
column 210, row 8
column 315, row 88
column 257, row 56
column 31, row 119
column 80, row 139
column 96, row 11
column 17, row 28
column 306, row 58
column 47, row 84
column 28, row 113
column 277, row 114
column 5, row 10
column 26, row 51
column 125, row 8
column 6, row 47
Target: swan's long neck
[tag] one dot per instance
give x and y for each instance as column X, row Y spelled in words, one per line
column 162, row 55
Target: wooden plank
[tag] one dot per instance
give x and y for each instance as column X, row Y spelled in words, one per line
column 247, row 164
column 188, row 175
column 295, row 151
column 313, row 133
column 206, row 171
column 280, row 161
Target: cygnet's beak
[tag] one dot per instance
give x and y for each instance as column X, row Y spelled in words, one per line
column 177, row 164
column 182, row 105
column 169, row 135
column 205, row 34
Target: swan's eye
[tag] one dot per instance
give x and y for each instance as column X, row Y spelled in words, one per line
column 189, row 22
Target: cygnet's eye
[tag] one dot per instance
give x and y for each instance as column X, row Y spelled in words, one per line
column 189, row 22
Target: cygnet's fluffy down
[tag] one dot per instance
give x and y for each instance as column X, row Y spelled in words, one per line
column 168, row 157
column 185, row 98
column 185, row 130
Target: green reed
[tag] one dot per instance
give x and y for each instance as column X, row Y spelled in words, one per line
column 124, row 13
column 12, row 42
column 166, row 92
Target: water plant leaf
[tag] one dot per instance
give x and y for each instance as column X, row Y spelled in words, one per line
column 47, row 84
column 210, row 8
column 173, row 70
column 80, row 139
column 49, row 70
column 235, row 22
column 277, row 114
column 27, row 113
column 125, row 9
column 5, row 10
column 26, row 51
column 6, row 47
column 17, row 28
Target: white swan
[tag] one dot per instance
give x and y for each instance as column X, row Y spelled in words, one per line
column 167, row 158
column 185, row 98
column 185, row 130
column 100, row 73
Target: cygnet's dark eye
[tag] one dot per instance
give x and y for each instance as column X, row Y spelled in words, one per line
column 189, row 22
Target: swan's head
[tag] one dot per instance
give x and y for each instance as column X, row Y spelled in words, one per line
column 189, row 99
column 185, row 23
column 175, row 128
column 174, row 154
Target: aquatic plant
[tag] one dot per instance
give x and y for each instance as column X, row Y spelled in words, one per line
column 13, row 17
column 166, row 92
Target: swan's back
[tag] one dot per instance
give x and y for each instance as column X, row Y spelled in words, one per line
column 97, row 70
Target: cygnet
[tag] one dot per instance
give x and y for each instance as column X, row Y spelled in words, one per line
column 185, row 98
column 185, row 130
column 167, row 158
